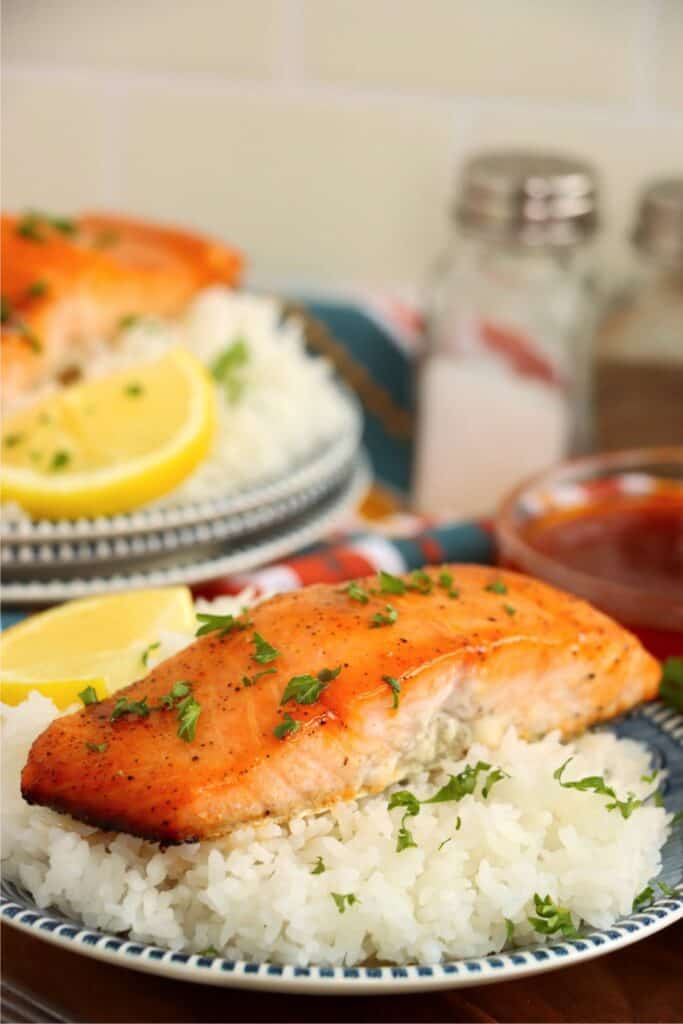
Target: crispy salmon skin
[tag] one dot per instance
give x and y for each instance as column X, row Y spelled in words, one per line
column 355, row 687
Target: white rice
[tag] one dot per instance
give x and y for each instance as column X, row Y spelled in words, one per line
column 253, row 895
column 288, row 404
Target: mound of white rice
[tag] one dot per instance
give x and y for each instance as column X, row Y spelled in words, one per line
column 255, row 894
column 287, row 406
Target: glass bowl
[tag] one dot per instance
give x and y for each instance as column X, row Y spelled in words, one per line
column 630, row 482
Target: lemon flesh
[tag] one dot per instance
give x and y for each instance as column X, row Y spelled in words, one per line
column 110, row 445
column 96, row 641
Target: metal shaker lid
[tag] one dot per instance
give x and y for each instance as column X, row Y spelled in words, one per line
column 527, row 196
column 659, row 226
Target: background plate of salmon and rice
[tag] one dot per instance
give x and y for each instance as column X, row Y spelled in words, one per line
column 450, row 777
column 141, row 392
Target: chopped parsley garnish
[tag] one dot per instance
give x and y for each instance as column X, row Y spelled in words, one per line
column 446, row 582
column 33, row 224
column 395, row 688
column 404, row 838
column 148, row 650
column 458, row 823
column 177, row 692
column 441, row 845
column 460, row 785
column 404, row 798
column 552, row 918
column 658, row 798
column 209, row 951
column 29, row 336
column 124, row 706
column 89, row 695
column 6, row 310
column 651, row 777
column 64, row 225
column 677, row 818
column 221, row 624
column 37, row 289
column 226, row 365
column 491, row 779
column 129, row 320
column 250, row 680
column 286, row 726
column 264, row 653
column 671, row 685
column 134, row 389
column 319, row 868
column 421, row 582
column 509, row 609
column 389, row 584
column 12, row 440
column 597, row 784
column 344, row 900
column 356, row 593
column 666, row 889
column 385, row 618
column 60, row 459
column 509, row 929
column 97, row 748
column 188, row 714
column 497, row 587
column 307, row 689
column 643, row 898
column 29, row 227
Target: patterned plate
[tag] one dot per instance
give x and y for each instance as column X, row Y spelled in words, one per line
column 657, row 726
column 173, row 567
column 67, row 558
column 321, row 465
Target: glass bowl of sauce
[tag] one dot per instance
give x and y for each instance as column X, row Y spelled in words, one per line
column 608, row 528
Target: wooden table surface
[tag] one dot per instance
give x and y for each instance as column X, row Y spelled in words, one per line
column 643, row 982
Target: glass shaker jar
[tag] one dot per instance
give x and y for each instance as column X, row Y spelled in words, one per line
column 503, row 385
column 639, row 371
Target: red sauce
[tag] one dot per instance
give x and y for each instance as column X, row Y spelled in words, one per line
column 632, row 541
column 637, row 542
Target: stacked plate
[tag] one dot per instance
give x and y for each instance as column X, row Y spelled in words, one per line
column 48, row 560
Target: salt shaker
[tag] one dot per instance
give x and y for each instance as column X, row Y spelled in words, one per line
column 503, row 385
column 639, row 370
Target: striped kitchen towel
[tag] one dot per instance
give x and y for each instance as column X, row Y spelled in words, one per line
column 361, row 554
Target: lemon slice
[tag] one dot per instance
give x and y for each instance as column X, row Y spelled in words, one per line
column 109, row 445
column 97, row 641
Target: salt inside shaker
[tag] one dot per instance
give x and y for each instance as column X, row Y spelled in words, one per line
column 503, row 385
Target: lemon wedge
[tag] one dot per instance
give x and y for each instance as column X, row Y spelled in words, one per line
column 97, row 641
column 109, row 445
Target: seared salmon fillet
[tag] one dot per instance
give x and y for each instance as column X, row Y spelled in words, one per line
column 395, row 680
column 67, row 284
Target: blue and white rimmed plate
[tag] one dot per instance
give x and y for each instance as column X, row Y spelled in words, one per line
column 660, row 728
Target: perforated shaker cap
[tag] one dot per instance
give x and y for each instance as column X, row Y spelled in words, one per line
column 528, row 196
column 659, row 226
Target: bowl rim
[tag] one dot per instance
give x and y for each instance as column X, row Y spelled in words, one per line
column 660, row 611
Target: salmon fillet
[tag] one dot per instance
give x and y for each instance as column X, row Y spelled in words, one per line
column 66, row 285
column 417, row 679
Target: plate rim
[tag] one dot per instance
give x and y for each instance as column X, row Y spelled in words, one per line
column 322, row 462
column 284, row 543
column 317, row 980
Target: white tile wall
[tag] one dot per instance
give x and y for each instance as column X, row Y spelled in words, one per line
column 322, row 136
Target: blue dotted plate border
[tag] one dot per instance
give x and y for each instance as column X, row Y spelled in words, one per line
column 660, row 727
